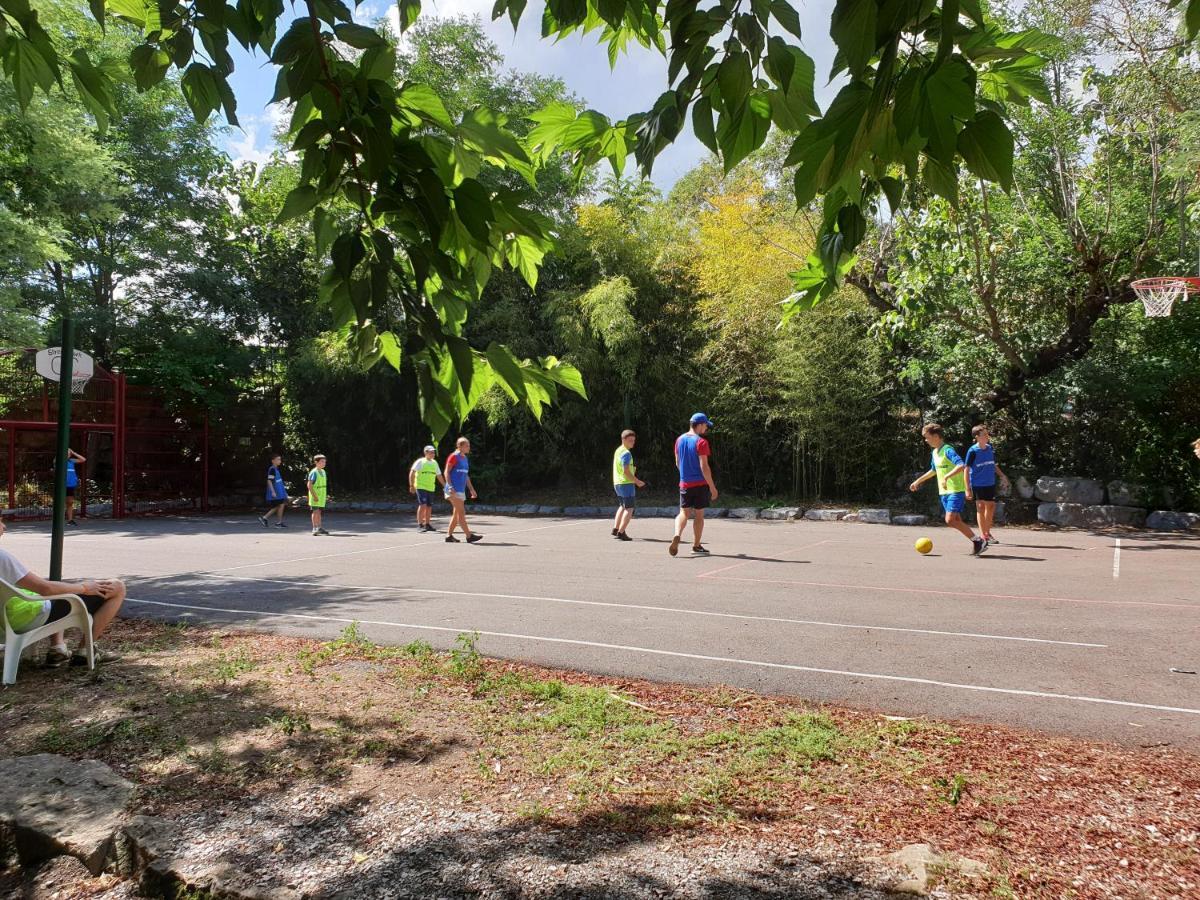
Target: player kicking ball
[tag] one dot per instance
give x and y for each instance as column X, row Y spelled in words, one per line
column 950, row 471
column 696, row 487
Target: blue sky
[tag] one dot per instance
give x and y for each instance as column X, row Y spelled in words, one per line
column 640, row 76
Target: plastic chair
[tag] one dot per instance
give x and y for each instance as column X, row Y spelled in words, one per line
column 14, row 643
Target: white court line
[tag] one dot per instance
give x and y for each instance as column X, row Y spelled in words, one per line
column 745, row 562
column 666, row 609
column 1117, row 558
column 409, row 546
column 875, row 676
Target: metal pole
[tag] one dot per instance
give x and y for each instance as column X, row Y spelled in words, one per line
column 204, row 495
column 66, row 368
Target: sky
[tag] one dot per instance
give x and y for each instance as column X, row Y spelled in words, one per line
column 581, row 62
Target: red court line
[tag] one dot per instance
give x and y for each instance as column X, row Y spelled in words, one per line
column 964, row 594
column 746, row 562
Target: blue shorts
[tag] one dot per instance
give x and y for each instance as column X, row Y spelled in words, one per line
column 626, row 495
column 954, row 503
column 424, row 498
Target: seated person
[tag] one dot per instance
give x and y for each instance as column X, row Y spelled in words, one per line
column 29, row 611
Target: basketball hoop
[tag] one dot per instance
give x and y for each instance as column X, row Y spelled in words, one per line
column 1158, row 295
column 48, row 363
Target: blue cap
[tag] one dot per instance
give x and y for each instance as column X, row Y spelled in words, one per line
column 701, row 419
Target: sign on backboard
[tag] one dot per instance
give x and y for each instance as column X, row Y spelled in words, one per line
column 48, row 363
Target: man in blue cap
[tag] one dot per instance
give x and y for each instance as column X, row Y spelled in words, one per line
column 696, row 487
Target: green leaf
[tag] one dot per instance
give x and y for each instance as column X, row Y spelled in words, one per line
column 734, row 76
column 464, row 362
column 407, row 13
column 986, row 145
column 94, row 87
column 893, row 189
column 359, row 36
column 28, row 69
column 852, row 28
column 851, row 225
column 131, row 10
column 149, row 64
column 785, row 14
column 947, row 95
column 504, row 364
column 702, row 124
column 743, row 132
column 423, row 101
column 299, row 201
column 199, row 86
column 941, row 178
column 565, row 374
column 389, row 348
column 1192, row 18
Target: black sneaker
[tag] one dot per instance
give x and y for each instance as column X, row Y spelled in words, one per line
column 280, row 525
column 98, row 656
column 72, row 523
column 265, row 523
column 991, row 540
column 978, row 545
column 57, row 656
column 474, row 538
column 702, row 550
column 622, row 536
column 615, row 532
column 322, row 531
column 451, row 539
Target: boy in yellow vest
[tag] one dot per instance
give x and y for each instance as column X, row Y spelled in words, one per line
column 950, row 471
column 318, row 493
column 423, row 480
column 625, row 483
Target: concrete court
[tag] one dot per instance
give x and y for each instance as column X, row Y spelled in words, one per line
column 1067, row 632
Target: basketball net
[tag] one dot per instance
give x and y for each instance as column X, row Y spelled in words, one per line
column 1158, row 295
column 78, row 384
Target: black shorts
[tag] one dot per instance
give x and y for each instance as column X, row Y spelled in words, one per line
column 697, row 497
column 987, row 494
column 60, row 609
column 70, row 492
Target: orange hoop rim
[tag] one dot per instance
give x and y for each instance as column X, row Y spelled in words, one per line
column 1190, row 283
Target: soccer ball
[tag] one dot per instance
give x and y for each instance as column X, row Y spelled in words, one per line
column 924, row 545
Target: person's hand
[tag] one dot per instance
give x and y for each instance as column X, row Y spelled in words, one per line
column 106, row 589
column 715, row 493
column 915, row 486
column 474, row 496
column 411, row 489
column 639, row 483
column 969, row 496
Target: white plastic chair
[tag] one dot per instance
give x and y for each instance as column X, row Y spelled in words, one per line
column 14, row 643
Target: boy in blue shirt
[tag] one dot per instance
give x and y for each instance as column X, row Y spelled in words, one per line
column 277, row 496
column 982, row 472
column 696, row 486
column 72, row 484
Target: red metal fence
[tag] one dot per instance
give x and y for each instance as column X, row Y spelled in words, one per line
column 141, row 455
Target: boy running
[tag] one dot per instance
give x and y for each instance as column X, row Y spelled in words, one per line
column 423, row 479
column 949, row 470
column 982, row 472
column 696, row 487
column 277, row 496
column 457, row 479
column 625, row 483
column 318, row 492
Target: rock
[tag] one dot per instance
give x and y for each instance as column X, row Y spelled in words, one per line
column 142, row 841
column 1067, row 514
column 909, row 520
column 664, row 512
column 1126, row 493
column 483, row 508
column 850, row 517
column 60, row 806
column 782, row 513
column 744, row 512
column 1166, row 520
column 826, row 515
column 1069, row 490
column 1001, row 513
column 923, row 864
column 505, row 510
column 875, row 516
column 1108, row 516
column 549, row 511
column 527, row 509
column 713, row 512
column 583, row 512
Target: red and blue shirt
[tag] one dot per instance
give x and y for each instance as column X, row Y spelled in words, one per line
column 459, row 468
column 689, row 448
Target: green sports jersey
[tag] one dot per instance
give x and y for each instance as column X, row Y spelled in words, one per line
column 945, row 460
column 427, row 473
column 619, row 459
column 318, row 487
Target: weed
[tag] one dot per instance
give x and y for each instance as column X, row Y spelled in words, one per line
column 952, row 788
column 534, row 812
column 289, row 723
column 800, row 739
column 465, row 661
column 351, row 638
column 227, row 667
column 417, row 649
column 213, row 761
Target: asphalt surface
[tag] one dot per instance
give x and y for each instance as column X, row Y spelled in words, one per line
column 1067, row 632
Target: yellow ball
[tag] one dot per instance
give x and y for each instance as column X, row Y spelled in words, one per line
column 924, row 545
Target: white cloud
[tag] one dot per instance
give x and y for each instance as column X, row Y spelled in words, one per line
column 255, row 141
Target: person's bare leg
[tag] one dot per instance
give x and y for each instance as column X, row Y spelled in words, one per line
column 70, row 509
column 628, row 519
column 681, row 521
column 618, row 518
column 987, row 517
column 698, row 527
column 106, row 613
column 955, row 521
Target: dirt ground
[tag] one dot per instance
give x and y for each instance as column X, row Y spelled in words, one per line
column 344, row 768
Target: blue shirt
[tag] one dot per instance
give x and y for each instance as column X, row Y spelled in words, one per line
column 982, row 463
column 459, row 468
column 276, row 490
column 72, row 475
column 689, row 448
